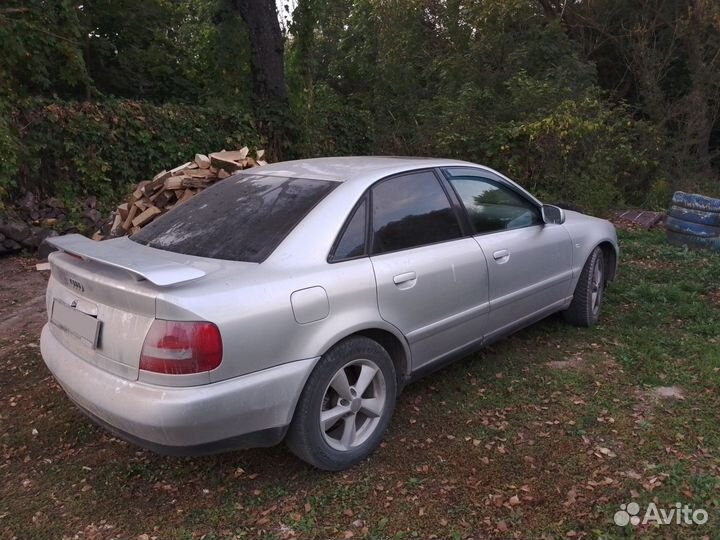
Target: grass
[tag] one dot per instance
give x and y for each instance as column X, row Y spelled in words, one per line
column 545, row 433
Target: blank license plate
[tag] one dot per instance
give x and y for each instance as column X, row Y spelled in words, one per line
column 76, row 322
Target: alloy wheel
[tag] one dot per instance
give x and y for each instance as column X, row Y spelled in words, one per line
column 353, row 405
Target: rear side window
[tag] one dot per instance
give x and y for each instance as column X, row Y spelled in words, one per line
column 409, row 211
column 242, row 218
column 352, row 241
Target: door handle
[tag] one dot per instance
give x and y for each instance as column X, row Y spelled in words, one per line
column 404, row 278
column 501, row 254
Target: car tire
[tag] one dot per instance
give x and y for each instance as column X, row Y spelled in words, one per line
column 584, row 310
column 336, row 423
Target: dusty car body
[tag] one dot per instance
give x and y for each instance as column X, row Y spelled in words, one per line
column 299, row 298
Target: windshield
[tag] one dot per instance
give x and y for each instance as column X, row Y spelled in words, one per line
column 243, row 218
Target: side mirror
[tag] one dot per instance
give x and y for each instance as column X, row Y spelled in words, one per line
column 552, row 215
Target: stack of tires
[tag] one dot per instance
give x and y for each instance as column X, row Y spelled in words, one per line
column 694, row 221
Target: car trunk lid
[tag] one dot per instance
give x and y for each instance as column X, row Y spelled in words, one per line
column 112, row 288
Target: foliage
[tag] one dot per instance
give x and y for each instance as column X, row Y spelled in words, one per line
column 490, row 82
column 595, row 104
column 41, row 46
column 156, row 50
column 80, row 148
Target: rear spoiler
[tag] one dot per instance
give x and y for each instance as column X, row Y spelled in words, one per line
column 141, row 262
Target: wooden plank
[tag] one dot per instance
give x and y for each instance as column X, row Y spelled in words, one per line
column 202, row 161
column 164, row 198
column 131, row 215
column 174, row 183
column 141, row 205
column 138, row 193
column 189, row 193
column 146, row 216
column 116, row 228
column 123, row 211
column 193, row 183
column 198, row 173
column 220, row 161
column 179, row 169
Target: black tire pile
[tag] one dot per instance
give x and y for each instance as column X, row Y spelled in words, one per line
column 694, row 221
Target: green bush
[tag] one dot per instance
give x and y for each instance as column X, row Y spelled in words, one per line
column 72, row 150
column 578, row 151
column 9, row 149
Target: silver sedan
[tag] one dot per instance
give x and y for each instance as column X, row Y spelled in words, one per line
column 295, row 301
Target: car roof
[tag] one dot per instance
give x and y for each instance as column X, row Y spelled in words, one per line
column 355, row 168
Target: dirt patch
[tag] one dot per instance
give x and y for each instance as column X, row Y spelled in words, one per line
column 593, row 361
column 573, row 363
column 669, row 392
column 648, row 401
column 22, row 300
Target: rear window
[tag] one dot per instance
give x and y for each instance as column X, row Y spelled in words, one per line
column 243, row 218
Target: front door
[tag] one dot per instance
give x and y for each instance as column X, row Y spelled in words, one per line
column 432, row 283
column 529, row 262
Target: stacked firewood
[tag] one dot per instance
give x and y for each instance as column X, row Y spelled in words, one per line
column 172, row 188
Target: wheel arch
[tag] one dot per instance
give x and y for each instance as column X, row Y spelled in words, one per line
column 389, row 338
column 610, row 257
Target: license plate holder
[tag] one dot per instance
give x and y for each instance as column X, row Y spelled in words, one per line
column 79, row 324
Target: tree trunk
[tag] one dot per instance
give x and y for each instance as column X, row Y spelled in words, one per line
column 268, row 70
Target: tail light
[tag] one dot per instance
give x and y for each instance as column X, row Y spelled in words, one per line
column 179, row 347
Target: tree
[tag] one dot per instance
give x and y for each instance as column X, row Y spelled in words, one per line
column 663, row 57
column 267, row 60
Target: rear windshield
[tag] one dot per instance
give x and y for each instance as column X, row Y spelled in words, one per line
column 242, row 218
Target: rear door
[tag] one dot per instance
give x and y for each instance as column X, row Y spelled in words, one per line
column 432, row 282
column 529, row 262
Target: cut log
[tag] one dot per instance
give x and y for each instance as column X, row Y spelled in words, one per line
column 193, row 183
column 157, row 194
column 223, row 160
column 166, row 190
column 174, row 183
column 202, row 161
column 123, row 211
column 164, row 198
column 131, row 215
column 139, row 191
column 146, row 216
column 161, row 176
column 179, row 169
column 117, row 229
column 189, row 193
column 198, row 173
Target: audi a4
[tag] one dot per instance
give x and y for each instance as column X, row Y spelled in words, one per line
column 294, row 301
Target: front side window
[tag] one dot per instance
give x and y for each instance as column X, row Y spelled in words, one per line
column 409, row 211
column 242, row 218
column 493, row 207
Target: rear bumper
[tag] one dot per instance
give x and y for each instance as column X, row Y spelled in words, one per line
column 248, row 411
